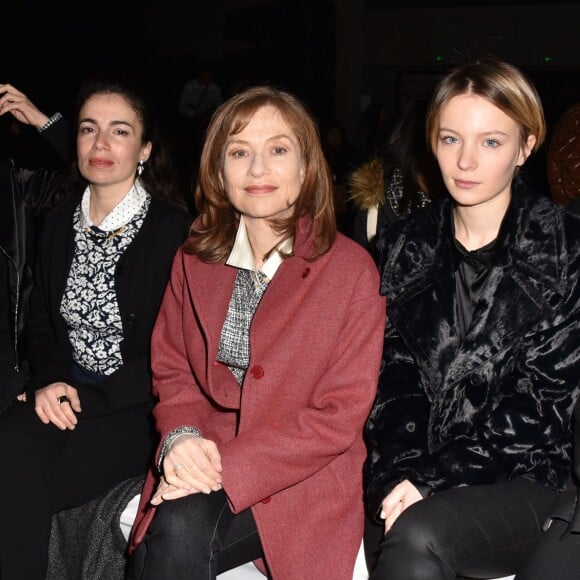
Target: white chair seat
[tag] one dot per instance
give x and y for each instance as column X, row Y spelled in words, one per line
column 244, row 572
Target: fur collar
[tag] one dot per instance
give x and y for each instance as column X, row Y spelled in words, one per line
column 367, row 185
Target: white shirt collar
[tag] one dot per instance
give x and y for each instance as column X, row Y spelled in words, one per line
column 121, row 214
column 241, row 255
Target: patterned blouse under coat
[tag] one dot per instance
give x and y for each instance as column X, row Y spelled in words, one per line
column 89, row 304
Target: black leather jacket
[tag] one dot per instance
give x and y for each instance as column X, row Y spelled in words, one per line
column 25, row 195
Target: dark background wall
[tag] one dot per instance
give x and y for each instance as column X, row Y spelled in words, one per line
column 338, row 55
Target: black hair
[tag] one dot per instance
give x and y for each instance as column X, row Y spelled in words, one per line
column 160, row 175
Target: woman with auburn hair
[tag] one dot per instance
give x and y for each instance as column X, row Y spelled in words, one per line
column 265, row 359
column 470, row 436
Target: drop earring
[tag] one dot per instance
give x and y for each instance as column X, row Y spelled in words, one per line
column 140, row 167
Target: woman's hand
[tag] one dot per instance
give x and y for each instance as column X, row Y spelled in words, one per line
column 401, row 497
column 57, row 404
column 18, row 104
column 193, row 465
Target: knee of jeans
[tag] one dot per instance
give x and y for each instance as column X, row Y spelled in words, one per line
column 173, row 519
column 187, row 517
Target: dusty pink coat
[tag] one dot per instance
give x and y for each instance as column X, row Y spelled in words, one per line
column 316, row 344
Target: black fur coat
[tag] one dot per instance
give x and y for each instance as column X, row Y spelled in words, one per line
column 497, row 404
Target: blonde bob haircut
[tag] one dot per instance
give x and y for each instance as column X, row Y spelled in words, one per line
column 212, row 235
column 500, row 83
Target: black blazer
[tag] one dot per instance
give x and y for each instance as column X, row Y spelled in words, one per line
column 141, row 276
column 497, row 404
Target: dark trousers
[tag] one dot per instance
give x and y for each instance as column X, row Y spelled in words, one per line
column 196, row 536
column 46, row 470
column 557, row 554
column 483, row 531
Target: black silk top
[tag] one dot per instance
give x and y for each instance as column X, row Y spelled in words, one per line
column 472, row 269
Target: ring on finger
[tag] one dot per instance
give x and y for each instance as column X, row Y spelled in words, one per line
column 178, row 466
column 63, row 399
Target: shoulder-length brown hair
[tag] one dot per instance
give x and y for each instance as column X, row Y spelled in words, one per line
column 213, row 234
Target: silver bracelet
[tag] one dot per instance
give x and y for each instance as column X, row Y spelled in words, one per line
column 170, row 439
column 56, row 117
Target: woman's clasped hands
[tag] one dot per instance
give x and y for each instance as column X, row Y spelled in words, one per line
column 193, row 465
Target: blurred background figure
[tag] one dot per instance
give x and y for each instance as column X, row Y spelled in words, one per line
column 199, row 98
column 563, row 159
column 401, row 176
column 374, row 129
column 342, row 157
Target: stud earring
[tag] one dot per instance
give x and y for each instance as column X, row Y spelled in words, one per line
column 140, row 167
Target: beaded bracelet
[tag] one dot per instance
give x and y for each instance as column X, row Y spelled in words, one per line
column 170, row 439
column 56, row 117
